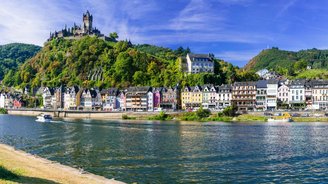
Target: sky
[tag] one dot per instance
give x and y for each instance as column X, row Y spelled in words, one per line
column 233, row 30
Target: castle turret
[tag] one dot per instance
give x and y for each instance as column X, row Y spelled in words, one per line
column 87, row 23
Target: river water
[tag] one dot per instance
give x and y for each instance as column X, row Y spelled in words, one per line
column 170, row 152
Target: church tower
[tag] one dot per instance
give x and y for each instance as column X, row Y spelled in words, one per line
column 87, row 23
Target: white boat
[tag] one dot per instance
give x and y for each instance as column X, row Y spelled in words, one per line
column 44, row 118
column 280, row 120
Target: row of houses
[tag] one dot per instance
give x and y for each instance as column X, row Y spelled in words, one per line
column 259, row 95
column 112, row 99
column 10, row 100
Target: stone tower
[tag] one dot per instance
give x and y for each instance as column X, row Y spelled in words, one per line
column 87, row 23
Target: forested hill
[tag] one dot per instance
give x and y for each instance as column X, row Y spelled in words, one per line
column 93, row 62
column 287, row 62
column 12, row 55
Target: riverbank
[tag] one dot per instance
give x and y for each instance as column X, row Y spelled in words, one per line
column 97, row 115
column 20, row 167
column 179, row 116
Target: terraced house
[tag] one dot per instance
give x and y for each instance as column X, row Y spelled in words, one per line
column 171, row 98
column 109, row 99
column 70, row 98
column 137, row 98
column 224, row 96
column 320, row 94
column 244, row 96
column 191, row 97
column 272, row 90
column 297, row 94
column 261, row 95
column 209, row 97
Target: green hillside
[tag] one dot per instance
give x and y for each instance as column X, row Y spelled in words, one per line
column 93, row 62
column 12, row 55
column 289, row 63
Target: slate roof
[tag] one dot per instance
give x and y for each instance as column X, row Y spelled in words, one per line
column 261, row 84
column 201, row 56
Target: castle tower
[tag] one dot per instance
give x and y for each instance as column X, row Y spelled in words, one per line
column 87, row 23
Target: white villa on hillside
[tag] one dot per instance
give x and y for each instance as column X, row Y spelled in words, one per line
column 197, row 63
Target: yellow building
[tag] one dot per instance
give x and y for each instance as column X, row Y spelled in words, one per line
column 191, row 97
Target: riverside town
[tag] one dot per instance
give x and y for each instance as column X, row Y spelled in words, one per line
column 188, row 91
column 262, row 95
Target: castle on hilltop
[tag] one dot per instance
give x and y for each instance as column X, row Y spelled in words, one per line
column 77, row 32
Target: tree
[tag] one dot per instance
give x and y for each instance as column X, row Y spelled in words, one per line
column 230, row 111
column 203, row 113
column 300, row 65
column 113, row 36
column 140, row 78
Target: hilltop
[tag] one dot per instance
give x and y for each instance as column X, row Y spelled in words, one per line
column 14, row 54
column 290, row 63
column 94, row 62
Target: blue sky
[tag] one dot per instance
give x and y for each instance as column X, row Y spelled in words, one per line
column 234, row 30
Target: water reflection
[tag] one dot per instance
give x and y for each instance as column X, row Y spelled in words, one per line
column 171, row 152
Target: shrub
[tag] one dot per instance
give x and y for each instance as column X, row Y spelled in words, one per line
column 161, row 116
column 3, row 111
column 124, row 116
column 230, row 111
column 6, row 174
column 203, row 113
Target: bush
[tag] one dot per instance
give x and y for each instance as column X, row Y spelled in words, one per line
column 161, row 116
column 200, row 114
column 230, row 111
column 189, row 116
column 3, row 111
column 203, row 113
column 6, row 174
column 124, row 116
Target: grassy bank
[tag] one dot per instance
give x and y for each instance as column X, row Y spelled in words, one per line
column 20, row 167
column 250, row 117
column 310, row 119
column 162, row 116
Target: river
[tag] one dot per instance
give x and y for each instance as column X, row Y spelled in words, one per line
column 171, row 152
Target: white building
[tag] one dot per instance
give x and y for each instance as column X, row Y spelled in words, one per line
column 109, row 98
column 283, row 91
column 150, row 101
column 224, row 96
column 320, row 95
column 209, row 97
column 261, row 95
column 198, row 63
column 70, row 101
column 47, row 95
column 272, row 93
column 296, row 94
column 2, row 100
column 86, row 99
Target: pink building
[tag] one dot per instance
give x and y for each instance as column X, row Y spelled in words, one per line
column 157, row 95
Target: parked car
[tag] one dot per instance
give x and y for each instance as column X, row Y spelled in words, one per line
column 305, row 115
column 296, row 115
column 267, row 114
column 317, row 115
column 277, row 114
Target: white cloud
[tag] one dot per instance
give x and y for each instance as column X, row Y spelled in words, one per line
column 286, row 7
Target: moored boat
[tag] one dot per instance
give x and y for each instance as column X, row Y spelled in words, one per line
column 283, row 118
column 280, row 120
column 44, row 118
